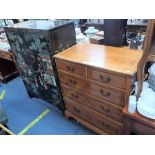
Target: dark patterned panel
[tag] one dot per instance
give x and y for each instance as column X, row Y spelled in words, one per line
column 33, row 49
column 33, row 58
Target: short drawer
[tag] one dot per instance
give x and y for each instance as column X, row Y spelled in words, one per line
column 96, row 104
column 71, row 67
column 94, row 118
column 72, row 81
column 106, row 78
column 111, row 95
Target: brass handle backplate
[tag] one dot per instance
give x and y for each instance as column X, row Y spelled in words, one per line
column 75, row 96
column 106, row 94
column 73, row 81
column 107, row 79
column 103, row 108
column 76, row 110
column 70, row 69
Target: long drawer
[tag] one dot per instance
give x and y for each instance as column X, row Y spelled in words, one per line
column 71, row 67
column 105, row 93
column 111, row 95
column 96, row 104
column 93, row 117
column 106, row 78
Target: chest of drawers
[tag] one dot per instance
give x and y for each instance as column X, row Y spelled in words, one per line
column 96, row 83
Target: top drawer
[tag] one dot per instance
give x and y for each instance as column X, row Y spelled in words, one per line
column 71, row 67
column 106, row 78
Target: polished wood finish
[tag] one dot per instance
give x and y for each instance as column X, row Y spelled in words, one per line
column 137, row 124
column 94, row 89
column 71, row 67
column 106, row 78
column 73, row 82
column 96, row 97
column 93, row 117
column 105, row 93
column 69, row 115
column 101, row 106
column 148, row 54
column 113, row 59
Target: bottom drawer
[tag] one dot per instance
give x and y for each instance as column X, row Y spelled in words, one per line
column 93, row 117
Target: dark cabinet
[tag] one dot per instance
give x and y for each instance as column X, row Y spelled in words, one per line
column 34, row 43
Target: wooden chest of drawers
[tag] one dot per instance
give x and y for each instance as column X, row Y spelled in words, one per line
column 96, row 83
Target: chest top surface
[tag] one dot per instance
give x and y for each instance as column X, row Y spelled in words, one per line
column 116, row 59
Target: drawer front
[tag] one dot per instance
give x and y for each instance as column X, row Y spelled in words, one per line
column 105, row 93
column 93, row 118
column 71, row 67
column 106, row 78
column 72, row 82
column 115, row 97
column 98, row 105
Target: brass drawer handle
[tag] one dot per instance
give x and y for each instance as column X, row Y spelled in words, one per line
column 76, row 110
column 104, row 79
column 105, row 125
column 73, row 81
column 75, row 95
column 105, row 110
column 106, row 94
column 70, row 69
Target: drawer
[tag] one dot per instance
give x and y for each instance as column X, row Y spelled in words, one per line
column 107, row 78
column 71, row 67
column 111, row 95
column 98, row 105
column 92, row 117
column 72, row 81
column 101, row 92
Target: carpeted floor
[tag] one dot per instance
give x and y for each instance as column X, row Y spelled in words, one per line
column 22, row 110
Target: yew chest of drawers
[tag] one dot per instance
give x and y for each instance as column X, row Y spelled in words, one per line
column 96, row 83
